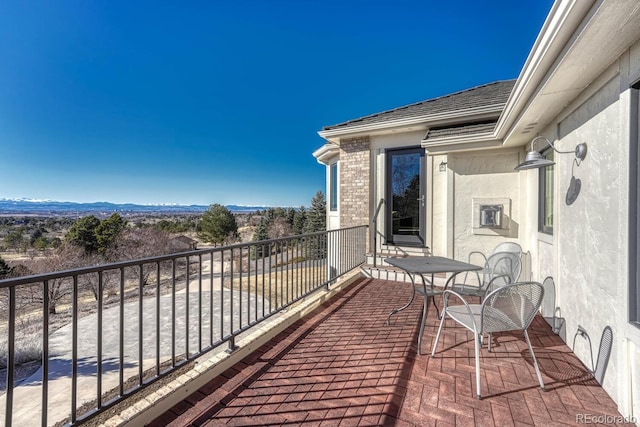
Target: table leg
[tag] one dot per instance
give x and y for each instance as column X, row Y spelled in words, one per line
column 433, row 297
column 413, row 294
column 425, row 311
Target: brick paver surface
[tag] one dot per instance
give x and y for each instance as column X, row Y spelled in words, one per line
column 343, row 366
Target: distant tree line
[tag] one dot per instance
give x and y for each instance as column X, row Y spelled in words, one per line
column 22, row 233
column 277, row 222
column 90, row 240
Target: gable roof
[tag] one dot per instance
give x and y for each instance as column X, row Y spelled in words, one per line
column 491, row 94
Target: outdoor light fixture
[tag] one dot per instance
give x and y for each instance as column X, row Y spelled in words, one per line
column 534, row 159
column 443, row 166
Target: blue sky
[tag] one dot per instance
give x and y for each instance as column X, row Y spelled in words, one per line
column 201, row 102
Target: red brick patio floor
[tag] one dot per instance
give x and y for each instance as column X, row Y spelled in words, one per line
column 343, row 366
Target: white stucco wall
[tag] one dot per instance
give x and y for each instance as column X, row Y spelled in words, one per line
column 591, row 233
column 587, row 254
column 441, row 182
column 485, row 175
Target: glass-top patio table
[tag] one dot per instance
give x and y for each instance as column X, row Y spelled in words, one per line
column 421, row 265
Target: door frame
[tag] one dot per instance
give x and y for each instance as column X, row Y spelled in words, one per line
column 397, row 240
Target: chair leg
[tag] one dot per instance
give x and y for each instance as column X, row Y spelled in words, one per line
column 477, row 345
column 433, row 298
column 425, row 311
column 435, row 344
column 535, row 362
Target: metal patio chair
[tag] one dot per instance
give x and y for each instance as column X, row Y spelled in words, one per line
column 501, row 247
column 509, row 308
column 500, row 269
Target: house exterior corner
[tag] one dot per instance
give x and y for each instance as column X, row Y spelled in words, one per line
column 442, row 168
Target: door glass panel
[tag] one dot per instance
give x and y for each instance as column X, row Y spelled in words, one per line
column 405, row 194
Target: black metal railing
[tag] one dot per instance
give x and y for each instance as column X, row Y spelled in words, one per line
column 102, row 333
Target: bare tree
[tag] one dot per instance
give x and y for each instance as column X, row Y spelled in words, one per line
column 137, row 243
column 279, row 227
column 66, row 257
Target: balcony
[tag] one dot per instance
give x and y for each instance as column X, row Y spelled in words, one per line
column 342, row 365
column 270, row 333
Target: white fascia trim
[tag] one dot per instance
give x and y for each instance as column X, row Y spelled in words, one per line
column 468, row 142
column 331, row 135
column 565, row 16
column 326, row 153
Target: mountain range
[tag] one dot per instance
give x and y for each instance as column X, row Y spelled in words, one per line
column 51, row 207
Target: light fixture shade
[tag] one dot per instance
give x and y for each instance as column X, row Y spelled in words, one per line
column 534, row 160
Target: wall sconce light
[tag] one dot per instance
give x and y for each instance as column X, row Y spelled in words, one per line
column 534, row 159
column 443, row 166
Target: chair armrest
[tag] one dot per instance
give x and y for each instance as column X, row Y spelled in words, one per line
column 484, row 257
column 448, row 293
column 451, row 280
column 445, row 298
column 491, row 284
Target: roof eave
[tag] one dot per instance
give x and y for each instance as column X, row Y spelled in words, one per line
column 557, row 29
column 326, row 153
column 569, row 55
column 478, row 141
column 420, row 122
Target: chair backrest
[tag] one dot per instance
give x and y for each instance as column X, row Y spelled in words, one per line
column 508, row 247
column 511, row 307
column 548, row 306
column 502, row 263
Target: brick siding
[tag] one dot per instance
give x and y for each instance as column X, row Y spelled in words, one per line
column 355, row 165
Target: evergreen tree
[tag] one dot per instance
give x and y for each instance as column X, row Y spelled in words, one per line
column 93, row 235
column 290, row 215
column 261, row 233
column 316, row 246
column 40, row 243
column 270, row 214
column 317, row 214
column 36, row 234
column 83, row 233
column 299, row 220
column 5, row 270
column 108, row 230
column 217, row 224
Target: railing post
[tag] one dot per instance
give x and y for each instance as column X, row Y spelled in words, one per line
column 232, row 344
column 10, row 356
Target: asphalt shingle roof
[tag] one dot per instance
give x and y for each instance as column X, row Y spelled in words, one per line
column 489, row 94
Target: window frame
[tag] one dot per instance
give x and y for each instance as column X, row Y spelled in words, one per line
column 333, row 187
column 634, row 206
column 543, row 193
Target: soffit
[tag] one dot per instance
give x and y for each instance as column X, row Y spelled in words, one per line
column 607, row 30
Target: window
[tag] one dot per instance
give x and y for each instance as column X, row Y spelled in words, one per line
column 333, row 187
column 545, row 196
